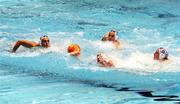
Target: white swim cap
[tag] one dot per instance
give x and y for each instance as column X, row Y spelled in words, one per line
column 163, row 54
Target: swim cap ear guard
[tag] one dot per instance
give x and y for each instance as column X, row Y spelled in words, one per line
column 116, row 36
column 163, row 54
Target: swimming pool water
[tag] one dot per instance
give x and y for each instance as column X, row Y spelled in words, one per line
column 51, row 76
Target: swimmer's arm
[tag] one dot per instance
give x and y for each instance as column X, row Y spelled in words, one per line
column 110, row 63
column 25, row 43
column 117, row 43
column 105, row 37
column 107, row 63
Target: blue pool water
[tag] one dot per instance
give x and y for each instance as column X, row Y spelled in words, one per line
column 51, row 76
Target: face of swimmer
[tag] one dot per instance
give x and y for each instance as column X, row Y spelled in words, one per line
column 112, row 36
column 99, row 57
column 45, row 41
column 156, row 55
column 161, row 54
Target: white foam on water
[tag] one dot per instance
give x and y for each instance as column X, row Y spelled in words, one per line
column 128, row 58
column 130, row 61
column 137, row 63
column 26, row 52
column 178, row 49
column 59, row 44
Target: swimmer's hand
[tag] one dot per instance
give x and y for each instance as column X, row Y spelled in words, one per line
column 74, row 53
column 104, row 39
column 117, row 44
